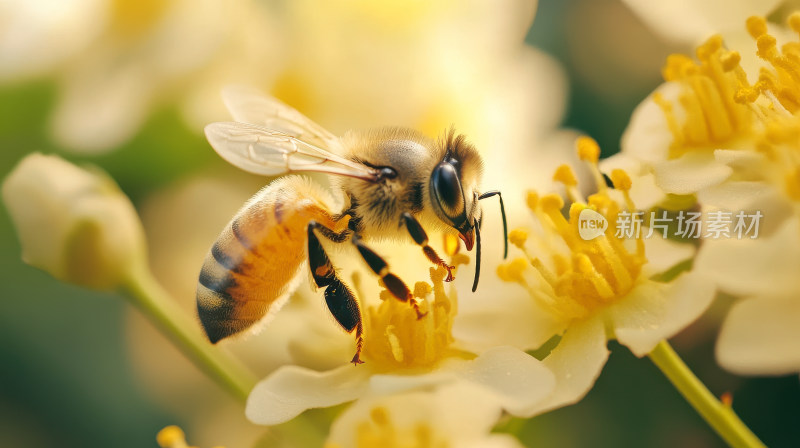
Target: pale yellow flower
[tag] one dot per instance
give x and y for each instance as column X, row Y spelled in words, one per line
column 591, row 288
column 690, row 21
column 728, row 135
column 73, row 223
column 38, row 36
column 452, row 416
column 715, row 132
column 117, row 60
column 403, row 352
column 760, row 334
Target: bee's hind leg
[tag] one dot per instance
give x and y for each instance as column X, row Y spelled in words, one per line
column 421, row 238
column 379, row 266
column 340, row 299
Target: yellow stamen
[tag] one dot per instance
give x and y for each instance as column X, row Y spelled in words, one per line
column 518, row 237
column 397, row 337
column 576, row 276
column 588, row 149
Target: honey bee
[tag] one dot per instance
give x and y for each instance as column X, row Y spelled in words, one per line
column 393, row 183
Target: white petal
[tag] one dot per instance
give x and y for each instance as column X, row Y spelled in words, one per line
column 690, row 173
column 689, row 21
column 101, row 107
column 576, row 363
column 662, row 253
column 290, row 390
column 458, row 414
column 761, row 336
column 655, row 311
column 761, row 266
column 517, row 380
column 487, row 322
column 647, row 136
column 748, row 197
column 37, row 36
column 384, row 384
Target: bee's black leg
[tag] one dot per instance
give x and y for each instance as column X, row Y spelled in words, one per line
column 392, row 282
column 340, row 299
column 421, row 238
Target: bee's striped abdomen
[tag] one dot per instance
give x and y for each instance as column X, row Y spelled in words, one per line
column 248, row 271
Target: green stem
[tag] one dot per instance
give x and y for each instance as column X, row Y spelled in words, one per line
column 151, row 298
column 718, row 415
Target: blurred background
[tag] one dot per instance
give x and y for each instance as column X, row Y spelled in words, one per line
column 128, row 85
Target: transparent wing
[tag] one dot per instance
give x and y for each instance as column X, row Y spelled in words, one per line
column 249, row 105
column 264, row 151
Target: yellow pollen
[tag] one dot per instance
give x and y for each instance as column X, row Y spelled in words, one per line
column 621, row 180
column 577, row 276
column 396, row 337
column 756, row 26
column 422, row 289
column 451, row 244
column 767, row 46
column 532, row 199
column 794, row 22
column 551, row 202
column 588, row 149
column 517, row 237
column 565, row 175
column 730, row 60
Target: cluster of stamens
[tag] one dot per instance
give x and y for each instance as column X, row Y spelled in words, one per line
column 723, row 110
column 399, row 335
column 572, row 276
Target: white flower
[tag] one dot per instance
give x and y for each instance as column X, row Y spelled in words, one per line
column 451, row 416
column 710, row 133
column 588, row 291
column 716, row 133
column 689, row 21
column 760, row 335
column 115, row 61
column 36, row 37
column 73, row 223
column 404, row 352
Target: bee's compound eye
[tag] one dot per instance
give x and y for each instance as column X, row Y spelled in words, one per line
column 447, row 190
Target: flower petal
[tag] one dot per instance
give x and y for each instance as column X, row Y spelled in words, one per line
column 644, row 192
column 656, row 311
column 517, row 380
column 576, row 363
column 690, row 173
column 290, row 390
column 482, row 324
column 764, row 266
column 662, row 253
column 748, row 197
column 647, row 136
column 759, row 337
column 697, row 20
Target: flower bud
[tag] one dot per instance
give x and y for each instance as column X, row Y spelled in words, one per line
column 73, row 223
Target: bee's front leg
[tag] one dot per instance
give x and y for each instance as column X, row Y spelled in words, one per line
column 421, row 238
column 379, row 266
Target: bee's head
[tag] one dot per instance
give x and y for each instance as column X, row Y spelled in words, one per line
column 454, row 195
column 454, row 187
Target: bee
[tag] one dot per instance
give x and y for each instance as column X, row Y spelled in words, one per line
column 393, row 183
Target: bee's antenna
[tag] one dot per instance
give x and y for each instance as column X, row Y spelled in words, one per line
column 489, row 194
column 477, row 226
